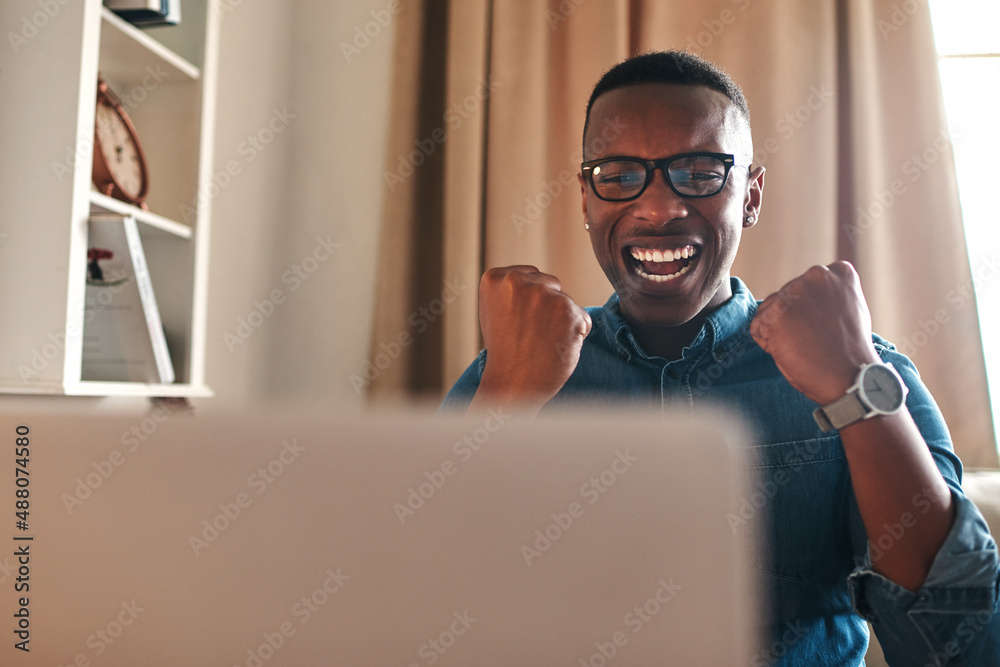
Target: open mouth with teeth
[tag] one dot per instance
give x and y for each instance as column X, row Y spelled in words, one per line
column 661, row 264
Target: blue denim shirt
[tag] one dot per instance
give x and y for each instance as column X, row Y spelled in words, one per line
column 814, row 553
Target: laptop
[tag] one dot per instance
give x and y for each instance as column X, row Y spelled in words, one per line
column 174, row 538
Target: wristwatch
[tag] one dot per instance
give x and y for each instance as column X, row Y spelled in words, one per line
column 878, row 390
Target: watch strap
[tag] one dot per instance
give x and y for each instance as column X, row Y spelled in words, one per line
column 842, row 412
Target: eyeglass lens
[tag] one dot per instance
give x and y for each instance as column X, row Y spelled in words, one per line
column 696, row 175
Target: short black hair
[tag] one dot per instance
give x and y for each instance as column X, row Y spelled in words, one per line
column 679, row 67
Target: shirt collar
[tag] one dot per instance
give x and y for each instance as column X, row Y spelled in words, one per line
column 724, row 332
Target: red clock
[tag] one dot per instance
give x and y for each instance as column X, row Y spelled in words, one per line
column 119, row 169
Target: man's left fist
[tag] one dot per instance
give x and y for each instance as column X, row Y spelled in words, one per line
column 818, row 330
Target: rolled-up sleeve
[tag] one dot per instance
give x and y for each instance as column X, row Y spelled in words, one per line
column 952, row 619
column 457, row 400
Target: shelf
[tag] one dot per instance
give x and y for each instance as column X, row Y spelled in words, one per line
column 101, row 203
column 128, row 54
column 165, row 78
column 110, row 389
column 137, row 389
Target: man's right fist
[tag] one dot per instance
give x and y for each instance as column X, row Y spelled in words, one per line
column 533, row 332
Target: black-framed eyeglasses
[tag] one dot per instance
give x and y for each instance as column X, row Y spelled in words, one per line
column 690, row 175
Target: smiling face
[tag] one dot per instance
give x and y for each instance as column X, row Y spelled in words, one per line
column 668, row 257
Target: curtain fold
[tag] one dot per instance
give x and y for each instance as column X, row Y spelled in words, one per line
column 847, row 119
column 899, row 216
column 406, row 348
column 471, row 85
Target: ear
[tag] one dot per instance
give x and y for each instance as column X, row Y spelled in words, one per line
column 754, row 197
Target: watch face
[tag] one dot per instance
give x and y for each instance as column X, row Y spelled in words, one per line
column 882, row 389
column 120, row 151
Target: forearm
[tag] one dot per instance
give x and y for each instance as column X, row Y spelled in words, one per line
column 904, row 502
column 493, row 392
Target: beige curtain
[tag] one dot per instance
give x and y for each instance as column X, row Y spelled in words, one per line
column 847, row 117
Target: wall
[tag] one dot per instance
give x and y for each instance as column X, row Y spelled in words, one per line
column 305, row 124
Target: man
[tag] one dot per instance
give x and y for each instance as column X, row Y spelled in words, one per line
column 868, row 520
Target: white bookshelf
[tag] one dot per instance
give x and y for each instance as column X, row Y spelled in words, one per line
column 166, row 80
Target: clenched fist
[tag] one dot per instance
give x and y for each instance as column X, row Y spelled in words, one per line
column 533, row 332
column 818, row 330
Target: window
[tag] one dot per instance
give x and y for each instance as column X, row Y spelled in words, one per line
column 968, row 45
